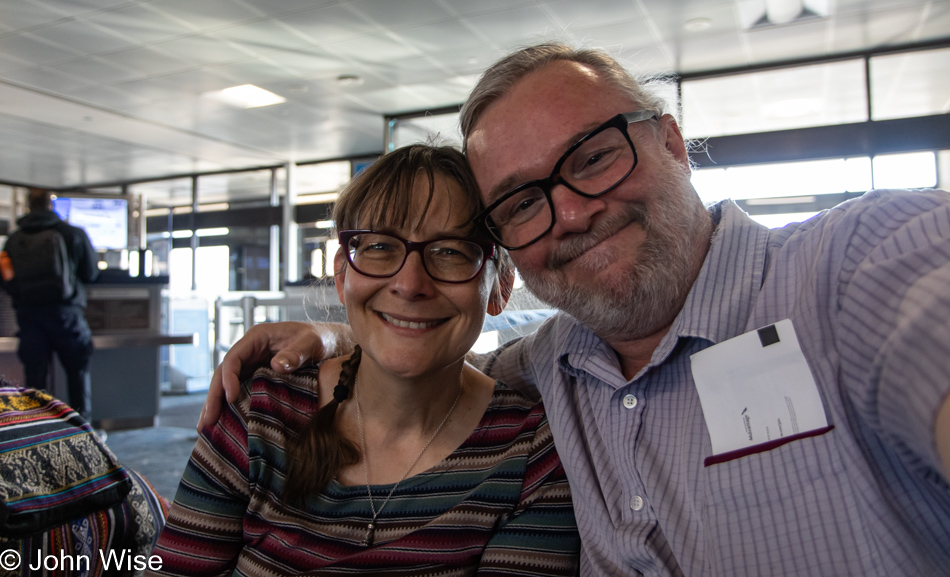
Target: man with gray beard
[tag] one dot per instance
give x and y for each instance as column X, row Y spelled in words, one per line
column 726, row 399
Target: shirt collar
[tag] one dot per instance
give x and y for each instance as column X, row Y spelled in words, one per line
column 723, row 295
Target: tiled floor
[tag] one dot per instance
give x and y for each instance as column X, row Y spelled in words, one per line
column 161, row 453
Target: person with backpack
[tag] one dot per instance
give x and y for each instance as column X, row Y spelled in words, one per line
column 44, row 265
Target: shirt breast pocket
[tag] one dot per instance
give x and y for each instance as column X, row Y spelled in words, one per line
column 760, row 476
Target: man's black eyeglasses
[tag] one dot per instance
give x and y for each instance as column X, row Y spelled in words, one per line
column 591, row 167
column 382, row 254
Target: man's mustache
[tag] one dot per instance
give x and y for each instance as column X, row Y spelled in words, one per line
column 606, row 227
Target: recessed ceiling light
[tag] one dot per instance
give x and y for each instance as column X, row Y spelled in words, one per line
column 697, row 24
column 349, row 80
column 246, row 96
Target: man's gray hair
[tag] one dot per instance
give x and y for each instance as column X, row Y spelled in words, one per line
column 504, row 74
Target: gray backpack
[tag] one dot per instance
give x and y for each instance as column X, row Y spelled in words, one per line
column 43, row 273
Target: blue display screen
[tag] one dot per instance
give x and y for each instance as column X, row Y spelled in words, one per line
column 105, row 220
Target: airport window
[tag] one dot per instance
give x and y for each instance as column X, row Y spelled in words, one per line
column 913, row 170
column 943, row 169
column 332, row 246
column 788, row 179
column 797, row 97
column 316, row 263
column 321, row 182
column 910, row 84
column 211, row 271
column 427, row 129
column 234, row 190
column 764, row 189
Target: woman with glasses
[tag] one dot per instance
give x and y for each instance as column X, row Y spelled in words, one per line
column 400, row 458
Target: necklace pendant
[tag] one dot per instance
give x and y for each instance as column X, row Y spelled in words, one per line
column 370, row 531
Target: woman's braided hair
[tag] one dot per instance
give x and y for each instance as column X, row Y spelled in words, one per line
column 306, row 474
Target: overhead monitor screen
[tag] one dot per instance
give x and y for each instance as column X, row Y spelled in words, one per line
column 105, row 220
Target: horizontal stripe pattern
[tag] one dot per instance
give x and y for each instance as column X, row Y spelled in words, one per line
column 498, row 505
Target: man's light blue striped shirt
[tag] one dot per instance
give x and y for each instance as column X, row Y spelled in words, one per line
column 867, row 287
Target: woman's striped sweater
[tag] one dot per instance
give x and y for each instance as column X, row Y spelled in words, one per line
column 498, row 505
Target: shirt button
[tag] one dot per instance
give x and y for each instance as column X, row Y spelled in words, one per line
column 630, row 401
column 636, row 503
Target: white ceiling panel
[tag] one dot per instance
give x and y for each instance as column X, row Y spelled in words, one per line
column 25, row 14
column 711, row 52
column 203, row 50
column 196, row 81
column 95, row 70
column 47, row 80
column 515, row 26
column 633, row 41
column 470, row 61
column 308, row 63
column 152, row 90
column 35, row 50
column 147, row 61
column 807, row 38
column 138, row 22
column 258, row 71
column 108, row 97
column 469, row 8
column 75, row 7
column 95, row 91
column 282, row 6
column 895, row 25
column 413, row 71
column 434, row 38
column 265, row 35
column 204, row 14
column 374, row 48
column 329, row 24
column 402, row 14
column 571, row 14
column 9, row 63
column 84, row 37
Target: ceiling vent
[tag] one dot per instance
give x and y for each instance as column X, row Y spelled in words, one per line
column 757, row 14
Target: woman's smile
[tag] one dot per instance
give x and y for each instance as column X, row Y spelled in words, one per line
column 410, row 324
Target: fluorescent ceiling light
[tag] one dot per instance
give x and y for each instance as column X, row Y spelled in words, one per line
column 247, row 96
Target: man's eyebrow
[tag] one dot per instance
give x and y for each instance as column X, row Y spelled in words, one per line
column 516, row 179
column 504, row 186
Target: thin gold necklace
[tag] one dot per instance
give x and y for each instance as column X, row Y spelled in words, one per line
column 371, row 526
